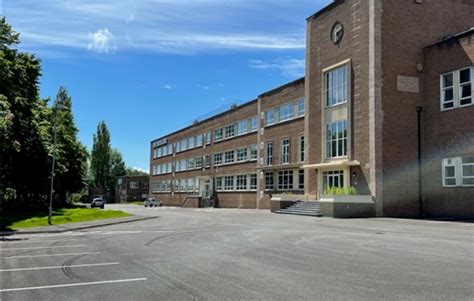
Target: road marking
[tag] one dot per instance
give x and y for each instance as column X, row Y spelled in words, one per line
column 70, row 285
column 33, row 241
column 60, row 267
column 38, row 248
column 46, row 255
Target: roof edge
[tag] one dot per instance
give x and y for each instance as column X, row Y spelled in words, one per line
column 282, row 87
column 208, row 119
column 456, row 36
column 328, row 7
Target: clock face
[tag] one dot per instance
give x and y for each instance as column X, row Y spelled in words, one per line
column 337, row 32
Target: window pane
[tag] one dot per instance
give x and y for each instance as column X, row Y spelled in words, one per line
column 469, row 181
column 449, row 171
column 466, row 91
column 465, row 75
column 466, row 101
column 467, row 160
column 468, row 171
column 448, row 80
column 448, row 95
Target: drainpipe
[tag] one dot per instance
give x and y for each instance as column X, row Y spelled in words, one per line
column 419, row 110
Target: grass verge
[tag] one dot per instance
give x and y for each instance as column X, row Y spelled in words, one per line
column 63, row 216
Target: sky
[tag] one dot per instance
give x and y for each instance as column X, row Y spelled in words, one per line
column 150, row 67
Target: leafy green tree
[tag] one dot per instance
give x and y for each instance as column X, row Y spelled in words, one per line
column 71, row 159
column 25, row 159
column 117, row 169
column 100, row 156
column 130, row 171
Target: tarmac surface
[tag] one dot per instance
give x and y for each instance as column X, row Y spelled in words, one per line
column 222, row 254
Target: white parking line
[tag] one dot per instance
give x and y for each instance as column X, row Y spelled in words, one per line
column 33, row 241
column 60, row 267
column 38, row 248
column 47, row 255
column 70, row 285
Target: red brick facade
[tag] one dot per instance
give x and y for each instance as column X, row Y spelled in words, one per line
column 370, row 67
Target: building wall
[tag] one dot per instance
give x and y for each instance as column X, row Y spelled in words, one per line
column 406, row 30
column 445, row 134
column 275, row 133
column 124, row 192
column 244, row 199
column 322, row 53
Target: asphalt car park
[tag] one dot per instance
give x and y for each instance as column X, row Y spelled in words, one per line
column 209, row 254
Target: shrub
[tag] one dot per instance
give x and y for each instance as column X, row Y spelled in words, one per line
column 340, row 191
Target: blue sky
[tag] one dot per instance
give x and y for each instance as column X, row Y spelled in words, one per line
column 150, row 67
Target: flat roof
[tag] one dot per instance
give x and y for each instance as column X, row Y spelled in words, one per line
column 283, row 87
column 328, row 7
column 456, row 36
column 232, row 109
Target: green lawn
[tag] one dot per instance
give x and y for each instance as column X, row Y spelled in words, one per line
column 64, row 216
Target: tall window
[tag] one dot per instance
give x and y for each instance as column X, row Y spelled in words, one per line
column 230, row 131
column 336, row 139
column 219, row 183
column 219, row 134
column 253, row 182
column 301, row 147
column 301, row 109
column 285, row 151
column 457, row 88
column 333, row 179
column 269, row 117
column 242, row 182
column 229, row 183
column 254, row 124
column 336, row 86
column 286, row 112
column 301, row 179
column 242, row 127
column 229, row 157
column 269, row 153
column 253, row 153
column 242, row 154
column 217, row 159
column 285, row 180
column 468, row 171
column 269, row 181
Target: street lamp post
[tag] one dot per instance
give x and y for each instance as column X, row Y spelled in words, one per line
column 59, row 107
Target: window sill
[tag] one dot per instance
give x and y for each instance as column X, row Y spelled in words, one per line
column 283, row 122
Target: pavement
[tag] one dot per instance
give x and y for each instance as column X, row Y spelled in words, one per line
column 220, row 254
column 78, row 226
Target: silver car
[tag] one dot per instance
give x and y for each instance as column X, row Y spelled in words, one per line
column 151, row 202
column 98, row 203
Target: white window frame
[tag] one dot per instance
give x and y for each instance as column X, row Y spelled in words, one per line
column 459, row 177
column 253, row 150
column 340, row 142
column 285, row 151
column 301, row 148
column 269, row 153
column 219, row 134
column 269, row 175
column 242, row 154
column 253, row 182
column 218, row 159
column 227, row 159
column 269, row 117
column 328, row 76
column 332, row 174
column 226, row 182
column 289, row 176
column 457, row 89
column 241, row 182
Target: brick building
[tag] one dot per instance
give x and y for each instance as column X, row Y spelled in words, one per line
column 386, row 107
column 131, row 188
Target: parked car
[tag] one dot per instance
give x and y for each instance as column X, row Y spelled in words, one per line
column 98, row 203
column 151, row 202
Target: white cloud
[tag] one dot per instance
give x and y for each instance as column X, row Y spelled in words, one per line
column 203, row 87
column 140, row 169
column 288, row 66
column 165, row 26
column 168, row 87
column 102, row 41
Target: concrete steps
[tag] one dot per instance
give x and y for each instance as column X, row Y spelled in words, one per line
column 310, row 208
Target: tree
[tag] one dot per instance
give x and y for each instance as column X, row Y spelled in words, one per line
column 25, row 159
column 117, row 169
column 71, row 159
column 130, row 171
column 100, row 156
